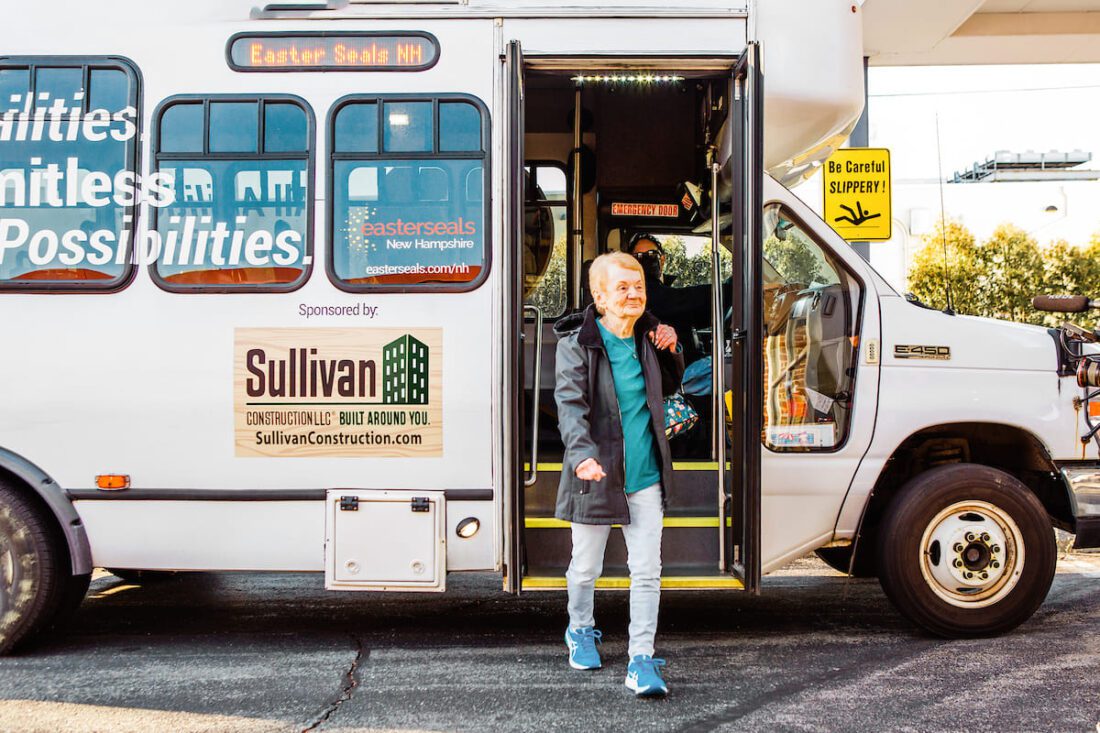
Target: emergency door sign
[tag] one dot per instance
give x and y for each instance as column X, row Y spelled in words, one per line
column 857, row 193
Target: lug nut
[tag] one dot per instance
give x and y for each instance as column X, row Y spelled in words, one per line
column 968, row 575
column 958, row 547
column 969, row 536
column 995, row 548
column 985, row 575
column 958, row 563
column 985, row 537
column 996, row 564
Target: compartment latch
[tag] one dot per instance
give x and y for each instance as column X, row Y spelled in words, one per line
column 349, row 503
column 421, row 504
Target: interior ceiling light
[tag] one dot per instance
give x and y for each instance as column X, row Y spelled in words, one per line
column 627, row 78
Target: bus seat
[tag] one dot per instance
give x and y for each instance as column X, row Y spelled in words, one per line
column 586, row 294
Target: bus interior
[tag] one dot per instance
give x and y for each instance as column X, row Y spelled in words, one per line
column 647, row 138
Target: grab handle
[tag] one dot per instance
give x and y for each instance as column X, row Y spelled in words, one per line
column 718, row 362
column 533, row 473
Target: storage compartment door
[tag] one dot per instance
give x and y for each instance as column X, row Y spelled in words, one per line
column 385, row 540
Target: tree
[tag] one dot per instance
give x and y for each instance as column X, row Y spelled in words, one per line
column 1014, row 274
column 548, row 293
column 1070, row 270
column 927, row 278
column 999, row 277
column 793, row 258
column 688, row 270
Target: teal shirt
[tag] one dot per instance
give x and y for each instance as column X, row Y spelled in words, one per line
column 641, row 466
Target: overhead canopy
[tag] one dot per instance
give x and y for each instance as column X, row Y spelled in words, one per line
column 946, row 32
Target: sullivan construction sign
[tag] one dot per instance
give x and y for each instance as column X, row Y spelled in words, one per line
column 338, row 392
column 857, row 193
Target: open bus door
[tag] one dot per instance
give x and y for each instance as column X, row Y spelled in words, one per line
column 712, row 536
column 513, row 325
column 745, row 328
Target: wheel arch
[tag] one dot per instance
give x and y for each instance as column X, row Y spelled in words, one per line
column 1010, row 448
column 40, row 488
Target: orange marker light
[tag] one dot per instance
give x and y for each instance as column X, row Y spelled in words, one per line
column 112, row 481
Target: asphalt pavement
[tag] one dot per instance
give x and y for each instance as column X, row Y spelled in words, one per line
column 814, row 652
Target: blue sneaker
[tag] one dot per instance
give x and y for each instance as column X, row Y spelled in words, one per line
column 643, row 675
column 582, row 647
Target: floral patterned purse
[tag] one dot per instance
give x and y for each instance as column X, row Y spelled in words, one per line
column 679, row 415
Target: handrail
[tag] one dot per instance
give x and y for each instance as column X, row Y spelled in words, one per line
column 718, row 362
column 533, row 475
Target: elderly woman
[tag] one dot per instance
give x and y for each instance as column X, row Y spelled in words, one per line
column 615, row 363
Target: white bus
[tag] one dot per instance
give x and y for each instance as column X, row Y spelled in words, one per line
column 278, row 287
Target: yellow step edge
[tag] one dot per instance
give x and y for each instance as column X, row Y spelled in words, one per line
column 676, row 466
column 552, row 523
column 687, row 581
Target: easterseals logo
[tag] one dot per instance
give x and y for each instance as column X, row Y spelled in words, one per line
column 402, row 228
column 338, row 392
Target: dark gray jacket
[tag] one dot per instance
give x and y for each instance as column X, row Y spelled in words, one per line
column 589, row 419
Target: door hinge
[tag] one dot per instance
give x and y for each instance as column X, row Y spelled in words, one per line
column 349, row 503
column 421, row 504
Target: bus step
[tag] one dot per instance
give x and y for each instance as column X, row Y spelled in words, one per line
column 696, row 489
column 668, row 582
column 687, row 543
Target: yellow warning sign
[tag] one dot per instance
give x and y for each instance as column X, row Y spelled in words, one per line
column 857, row 193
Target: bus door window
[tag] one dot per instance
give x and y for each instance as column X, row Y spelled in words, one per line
column 811, row 306
column 545, row 259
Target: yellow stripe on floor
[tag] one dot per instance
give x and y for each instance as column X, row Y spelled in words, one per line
column 552, row 523
column 672, row 582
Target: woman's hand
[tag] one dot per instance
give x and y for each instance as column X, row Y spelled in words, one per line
column 664, row 337
column 590, row 470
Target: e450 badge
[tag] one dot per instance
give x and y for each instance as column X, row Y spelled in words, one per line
column 919, row 351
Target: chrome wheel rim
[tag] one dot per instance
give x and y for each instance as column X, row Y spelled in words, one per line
column 972, row 554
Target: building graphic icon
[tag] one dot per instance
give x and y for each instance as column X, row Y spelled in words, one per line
column 405, row 372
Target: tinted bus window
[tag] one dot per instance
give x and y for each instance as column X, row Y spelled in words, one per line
column 240, row 171
column 408, row 193
column 68, row 173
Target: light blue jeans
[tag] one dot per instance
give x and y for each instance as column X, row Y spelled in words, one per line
column 643, row 548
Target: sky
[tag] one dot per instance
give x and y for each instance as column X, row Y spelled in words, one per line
column 981, row 109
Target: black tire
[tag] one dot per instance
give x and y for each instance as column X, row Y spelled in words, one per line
column 33, row 569
column 920, row 568
column 840, row 560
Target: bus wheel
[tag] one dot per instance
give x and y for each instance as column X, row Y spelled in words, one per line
column 966, row 550
column 840, row 559
column 32, row 573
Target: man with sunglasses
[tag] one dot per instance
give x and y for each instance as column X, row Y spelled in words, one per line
column 682, row 308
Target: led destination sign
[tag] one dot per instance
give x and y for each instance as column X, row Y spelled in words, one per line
column 321, row 51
